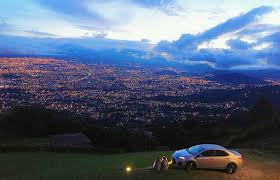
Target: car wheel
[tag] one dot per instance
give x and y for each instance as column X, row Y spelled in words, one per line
column 190, row 166
column 231, row 168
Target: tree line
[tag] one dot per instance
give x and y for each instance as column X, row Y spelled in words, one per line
column 263, row 120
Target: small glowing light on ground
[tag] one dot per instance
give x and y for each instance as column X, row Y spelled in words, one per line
column 128, row 169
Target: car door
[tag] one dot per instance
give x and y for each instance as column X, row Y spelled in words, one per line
column 220, row 159
column 205, row 159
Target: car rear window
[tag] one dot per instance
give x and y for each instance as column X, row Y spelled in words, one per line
column 221, row 153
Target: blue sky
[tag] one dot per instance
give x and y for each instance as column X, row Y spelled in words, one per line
column 125, row 19
column 221, row 33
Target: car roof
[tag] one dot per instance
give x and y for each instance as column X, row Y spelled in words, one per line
column 212, row 147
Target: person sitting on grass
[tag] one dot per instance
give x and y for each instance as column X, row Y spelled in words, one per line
column 157, row 164
column 164, row 163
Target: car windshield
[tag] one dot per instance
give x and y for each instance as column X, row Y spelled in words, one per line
column 195, row 150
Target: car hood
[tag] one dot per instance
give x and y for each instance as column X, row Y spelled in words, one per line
column 182, row 153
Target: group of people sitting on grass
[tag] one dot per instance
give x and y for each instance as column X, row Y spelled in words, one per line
column 160, row 164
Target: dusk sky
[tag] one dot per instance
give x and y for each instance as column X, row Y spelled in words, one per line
column 222, row 34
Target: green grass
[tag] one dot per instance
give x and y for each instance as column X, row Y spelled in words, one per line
column 50, row 166
column 78, row 166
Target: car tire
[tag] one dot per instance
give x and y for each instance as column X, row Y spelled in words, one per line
column 190, row 166
column 231, row 168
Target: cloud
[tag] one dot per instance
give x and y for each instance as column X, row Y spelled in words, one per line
column 170, row 7
column 55, row 45
column 97, row 35
column 240, row 52
column 235, row 23
column 257, row 29
column 10, row 29
column 102, row 14
column 77, row 12
column 225, row 59
column 153, row 3
column 272, row 38
column 70, row 7
column 238, row 44
column 39, row 33
column 191, row 42
column 272, row 52
column 4, row 26
column 145, row 40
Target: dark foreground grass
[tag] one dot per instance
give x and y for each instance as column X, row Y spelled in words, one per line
column 75, row 166
column 68, row 166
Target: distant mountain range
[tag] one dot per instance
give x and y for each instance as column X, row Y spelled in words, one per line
column 91, row 50
column 229, row 77
column 273, row 74
column 120, row 52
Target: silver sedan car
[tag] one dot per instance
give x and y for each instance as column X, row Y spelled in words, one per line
column 208, row 156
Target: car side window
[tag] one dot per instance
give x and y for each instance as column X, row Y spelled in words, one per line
column 208, row 153
column 221, row 153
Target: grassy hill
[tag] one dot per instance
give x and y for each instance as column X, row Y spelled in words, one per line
column 70, row 166
column 47, row 166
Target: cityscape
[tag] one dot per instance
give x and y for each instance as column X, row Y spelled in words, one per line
column 118, row 94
